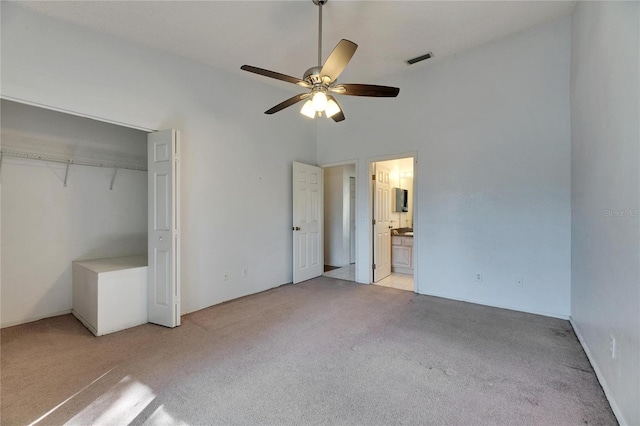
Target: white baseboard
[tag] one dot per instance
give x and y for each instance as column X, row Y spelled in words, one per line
column 38, row 318
column 493, row 305
column 603, row 383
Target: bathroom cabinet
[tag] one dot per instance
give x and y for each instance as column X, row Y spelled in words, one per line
column 402, row 254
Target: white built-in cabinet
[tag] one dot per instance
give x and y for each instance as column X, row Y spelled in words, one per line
column 110, row 294
column 402, row 254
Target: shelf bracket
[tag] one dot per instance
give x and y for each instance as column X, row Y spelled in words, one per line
column 66, row 174
column 113, row 178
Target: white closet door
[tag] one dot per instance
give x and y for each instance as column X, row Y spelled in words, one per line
column 308, row 253
column 164, row 228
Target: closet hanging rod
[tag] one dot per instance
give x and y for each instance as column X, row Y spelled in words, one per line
column 79, row 162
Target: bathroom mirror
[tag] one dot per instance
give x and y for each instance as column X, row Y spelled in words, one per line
column 402, row 200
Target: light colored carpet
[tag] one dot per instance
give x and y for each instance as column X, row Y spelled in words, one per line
column 322, row 352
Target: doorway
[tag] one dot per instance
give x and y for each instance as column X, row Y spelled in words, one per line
column 392, row 195
column 340, row 221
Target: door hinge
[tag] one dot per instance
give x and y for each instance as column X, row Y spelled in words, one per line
column 373, row 221
column 374, row 266
column 373, row 177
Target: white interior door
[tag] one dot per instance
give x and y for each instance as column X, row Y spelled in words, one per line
column 381, row 223
column 308, row 255
column 352, row 220
column 164, row 228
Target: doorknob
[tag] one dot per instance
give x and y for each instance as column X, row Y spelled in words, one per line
column 390, row 227
column 296, row 228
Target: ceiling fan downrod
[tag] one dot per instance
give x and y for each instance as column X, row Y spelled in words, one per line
column 319, row 3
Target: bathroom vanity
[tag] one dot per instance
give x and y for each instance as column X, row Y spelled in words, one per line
column 402, row 252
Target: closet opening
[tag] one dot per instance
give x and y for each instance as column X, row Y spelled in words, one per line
column 74, row 196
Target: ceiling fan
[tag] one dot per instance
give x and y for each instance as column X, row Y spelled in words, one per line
column 321, row 81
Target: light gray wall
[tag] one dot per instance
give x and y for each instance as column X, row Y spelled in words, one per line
column 45, row 225
column 235, row 160
column 491, row 130
column 605, row 201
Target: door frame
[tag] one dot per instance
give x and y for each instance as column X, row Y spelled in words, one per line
column 416, row 246
column 357, row 206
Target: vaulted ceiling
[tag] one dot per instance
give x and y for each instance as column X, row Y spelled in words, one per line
column 282, row 35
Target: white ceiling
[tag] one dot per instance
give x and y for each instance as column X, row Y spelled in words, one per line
column 282, row 35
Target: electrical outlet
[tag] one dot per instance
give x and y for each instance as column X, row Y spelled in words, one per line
column 225, row 276
column 612, row 346
column 479, row 277
column 245, row 272
column 519, row 281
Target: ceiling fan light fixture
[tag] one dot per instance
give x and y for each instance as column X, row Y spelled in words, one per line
column 308, row 109
column 332, row 108
column 321, row 81
column 319, row 100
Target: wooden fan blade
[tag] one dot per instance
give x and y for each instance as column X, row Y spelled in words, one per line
column 291, row 101
column 370, row 90
column 338, row 59
column 339, row 116
column 276, row 75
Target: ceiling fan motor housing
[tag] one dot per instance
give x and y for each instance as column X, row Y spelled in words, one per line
column 312, row 75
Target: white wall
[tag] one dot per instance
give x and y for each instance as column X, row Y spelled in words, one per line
column 46, row 226
column 605, row 202
column 491, row 131
column 236, row 161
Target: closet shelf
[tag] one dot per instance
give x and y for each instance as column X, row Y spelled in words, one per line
column 65, row 160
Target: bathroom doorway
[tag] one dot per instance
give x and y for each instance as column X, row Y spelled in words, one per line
column 339, row 221
column 392, row 192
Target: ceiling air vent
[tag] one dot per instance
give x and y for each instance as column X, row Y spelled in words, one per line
column 419, row 58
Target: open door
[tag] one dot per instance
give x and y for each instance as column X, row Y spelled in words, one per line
column 164, row 228
column 308, row 255
column 352, row 220
column 381, row 223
